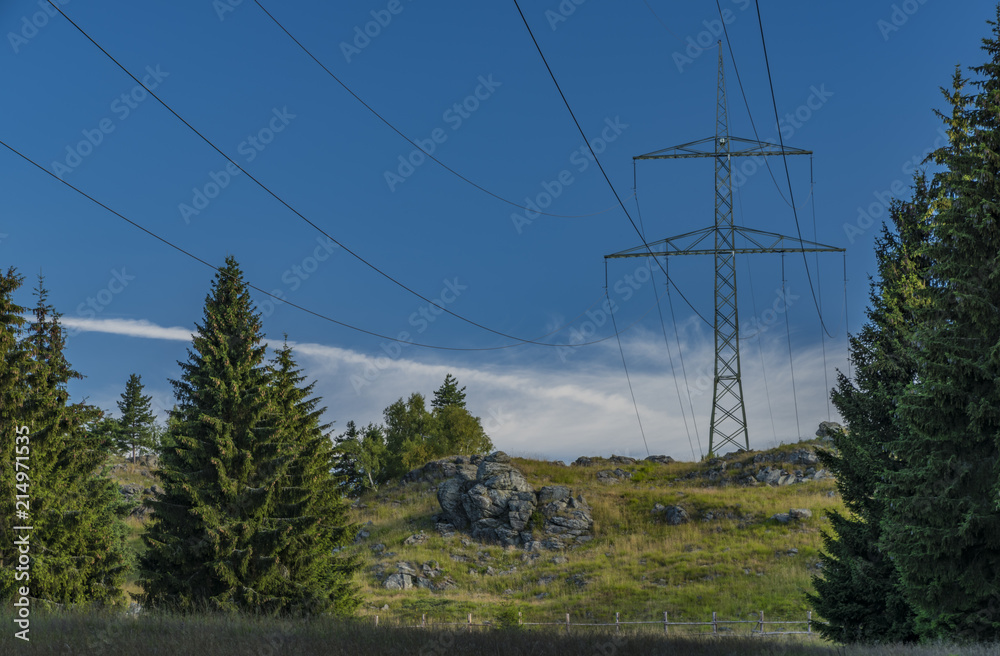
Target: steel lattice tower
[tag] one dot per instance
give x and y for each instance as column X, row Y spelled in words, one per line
column 729, row 419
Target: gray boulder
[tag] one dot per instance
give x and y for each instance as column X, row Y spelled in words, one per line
column 612, row 476
column 436, row 470
column 496, row 507
column 398, row 581
column 803, row 457
column 673, row 515
column 568, row 519
column 829, row 428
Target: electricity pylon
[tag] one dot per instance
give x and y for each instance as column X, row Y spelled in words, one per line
column 729, row 417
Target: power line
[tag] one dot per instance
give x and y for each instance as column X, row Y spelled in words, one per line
column 663, row 326
column 625, row 366
column 408, row 139
column 314, row 313
column 791, row 366
column 680, row 351
column 285, row 203
column 791, row 200
column 760, row 342
column 592, row 153
column 660, row 21
column 788, row 177
column 819, row 289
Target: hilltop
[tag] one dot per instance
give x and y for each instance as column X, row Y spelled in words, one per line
column 736, row 535
column 683, row 537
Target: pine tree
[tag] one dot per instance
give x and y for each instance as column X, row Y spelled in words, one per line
column 216, row 494
column 309, row 527
column 942, row 520
column 858, row 593
column 449, row 394
column 76, row 511
column 138, row 425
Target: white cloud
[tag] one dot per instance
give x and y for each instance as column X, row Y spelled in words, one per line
column 536, row 404
column 128, row 327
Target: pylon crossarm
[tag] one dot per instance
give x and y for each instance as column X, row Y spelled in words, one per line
column 759, row 241
column 738, row 147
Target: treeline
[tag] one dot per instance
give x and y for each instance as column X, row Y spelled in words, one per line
column 918, row 555
column 410, row 437
column 253, row 513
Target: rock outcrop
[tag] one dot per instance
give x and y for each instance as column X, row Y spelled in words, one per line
column 829, row 428
column 612, row 476
column 437, row 470
column 672, row 515
column 495, row 505
column 408, row 576
column 568, row 519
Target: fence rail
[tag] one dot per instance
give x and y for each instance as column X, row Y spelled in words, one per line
column 758, row 628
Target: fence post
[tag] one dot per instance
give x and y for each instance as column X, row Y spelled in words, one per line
column 809, row 620
column 423, row 620
column 617, row 629
column 376, row 621
column 715, row 625
column 761, row 622
column 519, row 617
column 470, row 622
column 666, row 624
column 567, row 622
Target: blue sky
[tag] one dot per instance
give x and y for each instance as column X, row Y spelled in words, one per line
column 855, row 82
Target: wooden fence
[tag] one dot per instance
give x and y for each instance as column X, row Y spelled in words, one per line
column 757, row 626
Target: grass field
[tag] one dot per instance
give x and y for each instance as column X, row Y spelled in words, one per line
column 636, row 564
column 162, row 635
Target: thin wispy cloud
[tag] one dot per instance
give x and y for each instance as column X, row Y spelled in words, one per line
column 128, row 328
column 561, row 409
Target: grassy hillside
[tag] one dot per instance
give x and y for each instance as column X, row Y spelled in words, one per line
column 731, row 557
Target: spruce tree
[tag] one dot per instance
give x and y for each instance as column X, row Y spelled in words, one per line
column 14, row 363
column 77, row 514
column 942, row 519
column 305, row 573
column 138, row 425
column 199, row 543
column 449, row 394
column 251, row 517
column 858, row 593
